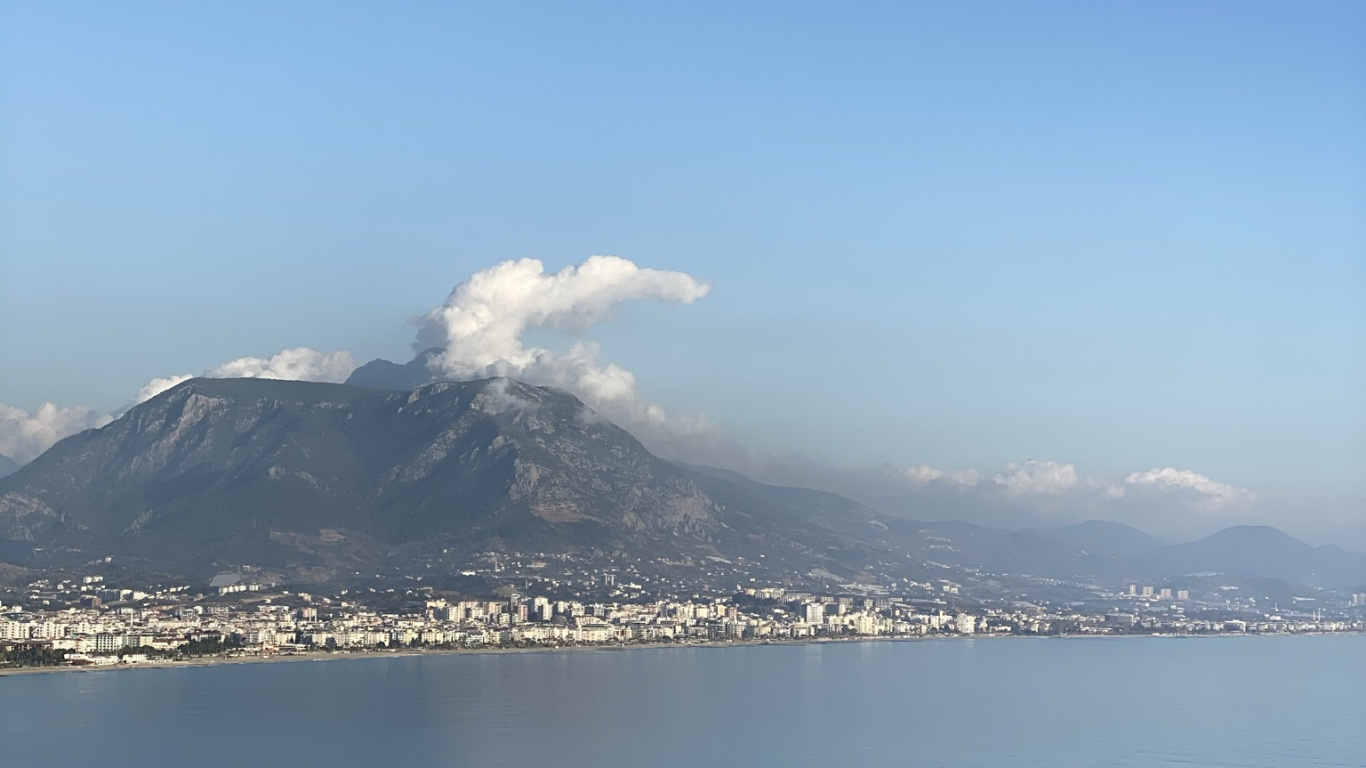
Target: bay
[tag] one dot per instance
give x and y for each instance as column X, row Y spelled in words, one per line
column 1223, row 701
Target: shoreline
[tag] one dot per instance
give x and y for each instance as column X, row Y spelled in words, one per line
column 346, row 655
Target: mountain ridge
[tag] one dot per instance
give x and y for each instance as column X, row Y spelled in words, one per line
column 492, row 456
column 332, row 477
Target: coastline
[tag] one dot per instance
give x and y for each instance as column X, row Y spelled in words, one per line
column 345, row 655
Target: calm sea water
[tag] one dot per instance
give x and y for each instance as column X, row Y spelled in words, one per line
column 1235, row 701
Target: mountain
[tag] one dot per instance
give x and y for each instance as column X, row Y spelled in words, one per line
column 383, row 374
column 1258, row 551
column 239, row 469
column 8, row 466
column 1106, row 539
column 824, row 524
column 327, row 477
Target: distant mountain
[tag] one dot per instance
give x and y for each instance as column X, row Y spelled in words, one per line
column 383, row 374
column 1002, row 551
column 800, row 510
column 8, row 466
column 1106, row 539
column 1264, row 552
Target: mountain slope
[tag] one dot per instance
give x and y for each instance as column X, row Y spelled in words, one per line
column 832, row 532
column 1106, row 539
column 8, row 466
column 1256, row 551
column 227, row 469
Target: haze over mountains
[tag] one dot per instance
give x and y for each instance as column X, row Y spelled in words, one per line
column 321, row 479
column 8, row 466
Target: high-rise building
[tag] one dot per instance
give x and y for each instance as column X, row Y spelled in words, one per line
column 815, row 613
column 966, row 623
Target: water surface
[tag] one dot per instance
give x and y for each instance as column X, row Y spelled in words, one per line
column 1229, row 701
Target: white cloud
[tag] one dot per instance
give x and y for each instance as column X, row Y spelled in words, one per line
column 483, row 320
column 925, row 474
column 24, row 434
column 297, row 364
column 1037, row 477
column 156, row 386
column 496, row 398
column 1213, row 495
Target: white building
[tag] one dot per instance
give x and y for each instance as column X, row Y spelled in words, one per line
column 814, row 613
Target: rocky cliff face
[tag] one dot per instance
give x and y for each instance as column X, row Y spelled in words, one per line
column 232, row 468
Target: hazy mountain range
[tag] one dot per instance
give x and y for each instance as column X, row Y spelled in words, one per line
column 325, row 477
column 8, row 466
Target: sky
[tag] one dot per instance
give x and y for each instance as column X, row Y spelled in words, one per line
column 898, row 239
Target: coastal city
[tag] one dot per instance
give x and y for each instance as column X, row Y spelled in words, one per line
column 87, row 621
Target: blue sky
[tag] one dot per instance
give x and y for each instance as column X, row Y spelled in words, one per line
column 1126, row 235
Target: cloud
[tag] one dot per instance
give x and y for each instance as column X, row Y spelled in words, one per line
column 1178, row 503
column 1037, row 477
column 24, row 435
column 297, row 364
column 1212, row 495
column 497, row 398
column 1054, row 480
column 925, row 474
column 156, row 386
column 481, row 326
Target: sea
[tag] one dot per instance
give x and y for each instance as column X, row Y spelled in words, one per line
column 1264, row 702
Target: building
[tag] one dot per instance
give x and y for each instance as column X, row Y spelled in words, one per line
column 814, row 613
column 965, row 623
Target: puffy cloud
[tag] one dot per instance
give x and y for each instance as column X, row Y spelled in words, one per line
column 24, row 434
column 1213, row 495
column 1037, row 477
column 156, row 386
column 482, row 323
column 1038, row 492
column 297, row 364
